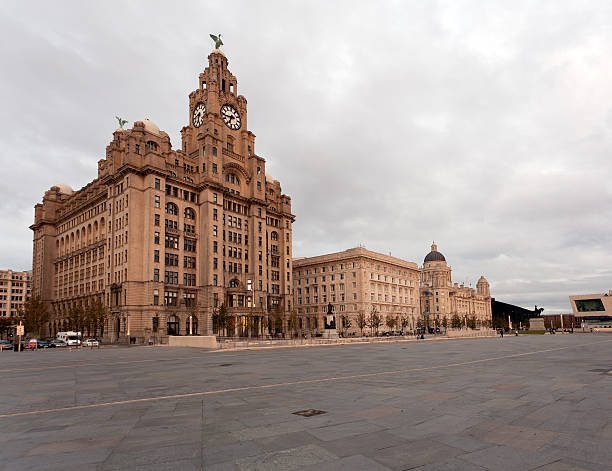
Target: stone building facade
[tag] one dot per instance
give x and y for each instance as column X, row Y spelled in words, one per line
column 441, row 298
column 165, row 236
column 15, row 288
column 354, row 281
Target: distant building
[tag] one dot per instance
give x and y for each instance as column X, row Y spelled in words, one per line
column 15, row 288
column 593, row 309
column 442, row 299
column 354, row 281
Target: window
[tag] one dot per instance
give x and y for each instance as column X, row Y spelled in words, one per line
column 258, row 170
column 156, row 238
column 214, row 214
column 189, row 279
column 214, row 167
column 171, row 259
column 214, row 197
column 155, row 303
column 172, row 242
column 138, row 148
column 170, row 298
column 171, row 277
column 259, row 185
column 156, row 256
column 215, row 280
column 156, row 274
column 157, row 219
column 172, row 209
column 157, row 183
column 190, row 213
column 189, row 245
column 214, row 153
column 157, row 201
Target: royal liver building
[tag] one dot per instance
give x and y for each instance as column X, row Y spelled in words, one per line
column 164, row 237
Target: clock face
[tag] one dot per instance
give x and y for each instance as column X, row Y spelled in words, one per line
column 230, row 116
column 198, row 114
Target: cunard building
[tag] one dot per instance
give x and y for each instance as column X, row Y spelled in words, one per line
column 166, row 236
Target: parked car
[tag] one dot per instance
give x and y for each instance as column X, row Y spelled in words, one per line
column 57, row 343
column 36, row 343
column 5, row 345
column 91, row 343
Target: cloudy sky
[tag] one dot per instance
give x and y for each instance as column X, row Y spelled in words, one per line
column 483, row 125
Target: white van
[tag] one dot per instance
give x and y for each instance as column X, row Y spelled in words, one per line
column 71, row 338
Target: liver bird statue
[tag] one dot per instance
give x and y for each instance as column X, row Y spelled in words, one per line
column 217, row 40
column 121, row 121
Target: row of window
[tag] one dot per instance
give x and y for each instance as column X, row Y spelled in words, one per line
column 172, row 277
column 172, row 242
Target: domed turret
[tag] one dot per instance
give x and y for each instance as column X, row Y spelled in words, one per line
column 150, row 126
column 63, row 188
column 483, row 286
column 434, row 255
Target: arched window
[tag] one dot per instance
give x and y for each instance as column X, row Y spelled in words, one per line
column 172, row 209
column 151, row 145
column 233, row 284
column 194, row 327
column 232, row 178
column 189, row 213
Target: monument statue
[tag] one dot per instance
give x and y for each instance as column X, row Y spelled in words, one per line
column 217, row 40
column 121, row 121
column 330, row 319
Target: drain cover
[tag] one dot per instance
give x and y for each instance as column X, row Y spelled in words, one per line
column 225, row 364
column 309, row 412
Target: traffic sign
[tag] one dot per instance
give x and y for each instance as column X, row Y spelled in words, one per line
column 20, row 330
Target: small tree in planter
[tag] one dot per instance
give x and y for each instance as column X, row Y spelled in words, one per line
column 362, row 322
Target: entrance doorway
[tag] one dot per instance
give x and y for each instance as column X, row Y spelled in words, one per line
column 173, row 325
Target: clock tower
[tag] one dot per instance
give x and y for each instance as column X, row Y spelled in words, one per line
column 217, row 115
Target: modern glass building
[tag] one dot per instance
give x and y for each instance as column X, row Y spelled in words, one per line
column 594, row 310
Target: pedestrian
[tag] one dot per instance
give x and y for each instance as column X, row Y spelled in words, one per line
column 501, row 331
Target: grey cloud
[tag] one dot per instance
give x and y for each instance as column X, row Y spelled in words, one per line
column 484, row 126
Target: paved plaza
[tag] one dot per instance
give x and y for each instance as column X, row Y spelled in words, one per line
column 517, row 403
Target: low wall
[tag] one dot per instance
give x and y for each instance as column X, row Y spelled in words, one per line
column 471, row 333
column 199, row 341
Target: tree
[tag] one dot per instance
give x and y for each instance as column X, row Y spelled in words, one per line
column 471, row 322
column 362, row 322
column 390, row 322
column 374, row 320
column 277, row 318
column 404, row 321
column 221, row 320
column 456, row 321
column 293, row 323
column 445, row 322
column 34, row 314
column 6, row 323
column 346, row 324
column 76, row 316
column 95, row 316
